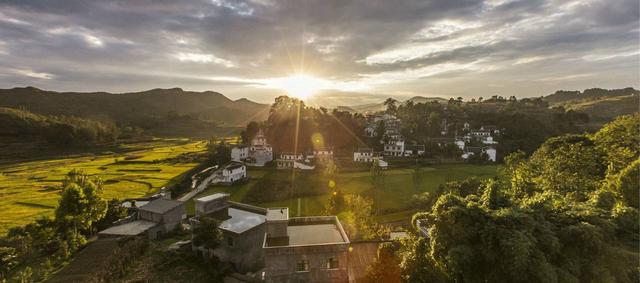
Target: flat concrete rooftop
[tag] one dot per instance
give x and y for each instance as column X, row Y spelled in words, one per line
column 306, row 231
column 241, row 220
column 133, row 228
column 277, row 213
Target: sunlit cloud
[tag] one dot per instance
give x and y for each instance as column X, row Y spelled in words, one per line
column 33, row 74
column 89, row 38
column 202, row 58
column 240, row 8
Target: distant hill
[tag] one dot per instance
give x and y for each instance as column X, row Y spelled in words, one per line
column 158, row 111
column 562, row 96
column 602, row 105
column 23, row 126
column 376, row 107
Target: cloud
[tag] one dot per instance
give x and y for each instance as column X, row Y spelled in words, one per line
column 33, row 74
column 202, row 58
column 452, row 48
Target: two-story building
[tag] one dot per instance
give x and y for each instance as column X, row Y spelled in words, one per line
column 260, row 151
column 152, row 219
column 289, row 160
column 242, row 228
column 239, row 153
column 394, row 148
column 231, row 173
column 304, row 249
column 363, row 155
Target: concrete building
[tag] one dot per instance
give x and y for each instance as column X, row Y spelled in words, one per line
column 288, row 160
column 473, row 150
column 239, row 153
column 304, row 249
column 242, row 227
column 367, row 155
column 231, row 173
column 414, row 150
column 363, row 155
column 152, row 219
column 260, row 151
column 394, row 148
column 323, row 154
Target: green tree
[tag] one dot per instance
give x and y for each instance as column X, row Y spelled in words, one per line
column 115, row 212
column 206, row 233
column 8, row 260
column 626, row 184
column 219, row 153
column 250, row 132
column 619, row 141
column 567, row 164
column 360, row 221
column 386, row 267
column 392, row 106
column 81, row 203
column 25, row 275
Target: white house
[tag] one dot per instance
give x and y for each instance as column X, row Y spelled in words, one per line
column 363, row 155
column 323, row 153
column 491, row 152
column 231, row 173
column 370, row 130
column 295, row 160
column 381, row 163
column 239, row 153
column 260, row 151
column 413, row 150
column 470, row 151
column 488, row 140
column 460, row 143
column 394, row 148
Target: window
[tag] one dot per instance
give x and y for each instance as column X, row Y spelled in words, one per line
column 332, row 263
column 230, row 241
column 303, row 265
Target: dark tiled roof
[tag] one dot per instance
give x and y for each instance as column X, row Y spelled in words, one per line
column 160, row 205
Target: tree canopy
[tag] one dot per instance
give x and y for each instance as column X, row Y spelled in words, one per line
column 563, row 215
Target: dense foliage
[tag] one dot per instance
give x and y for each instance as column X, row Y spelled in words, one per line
column 525, row 123
column 47, row 243
column 569, row 213
column 19, row 126
column 293, row 126
column 160, row 112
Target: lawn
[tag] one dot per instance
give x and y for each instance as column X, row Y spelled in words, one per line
column 30, row 189
column 391, row 200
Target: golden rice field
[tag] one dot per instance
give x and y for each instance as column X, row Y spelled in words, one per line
column 31, row 189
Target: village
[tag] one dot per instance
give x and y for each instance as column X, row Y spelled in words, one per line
column 267, row 244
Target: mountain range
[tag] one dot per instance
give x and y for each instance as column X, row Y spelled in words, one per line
column 176, row 112
column 158, row 111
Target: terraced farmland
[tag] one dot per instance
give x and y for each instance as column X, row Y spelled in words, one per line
column 30, row 189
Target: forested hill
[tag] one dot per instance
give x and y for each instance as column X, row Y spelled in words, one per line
column 602, row 105
column 153, row 110
column 563, row 96
column 22, row 126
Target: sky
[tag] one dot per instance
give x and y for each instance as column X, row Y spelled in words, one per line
column 349, row 52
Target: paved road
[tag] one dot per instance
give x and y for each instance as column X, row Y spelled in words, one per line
column 200, row 187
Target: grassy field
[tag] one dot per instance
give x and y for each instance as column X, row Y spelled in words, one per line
column 30, row 189
column 392, row 199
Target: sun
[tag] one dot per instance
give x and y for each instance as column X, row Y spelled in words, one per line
column 300, row 86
